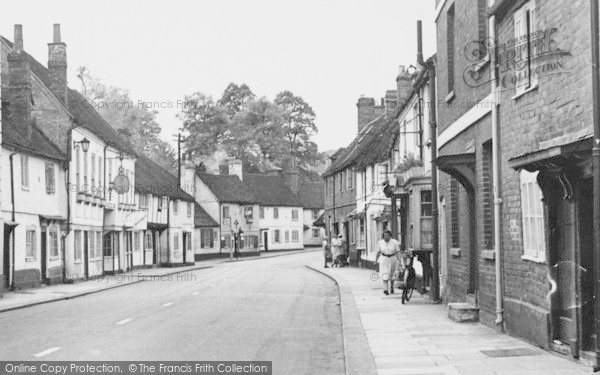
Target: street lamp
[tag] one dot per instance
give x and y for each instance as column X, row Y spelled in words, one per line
column 85, row 144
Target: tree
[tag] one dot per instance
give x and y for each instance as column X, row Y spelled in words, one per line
column 135, row 123
column 235, row 98
column 298, row 128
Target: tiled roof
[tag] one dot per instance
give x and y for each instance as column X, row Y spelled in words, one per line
column 202, row 218
column 311, row 195
column 82, row 111
column 14, row 136
column 270, row 190
column 227, row 188
column 150, row 178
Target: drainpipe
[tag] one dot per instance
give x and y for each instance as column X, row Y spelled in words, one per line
column 496, row 182
column 430, row 66
column 12, row 217
column 596, row 170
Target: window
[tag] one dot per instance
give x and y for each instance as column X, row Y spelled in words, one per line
column 175, row 207
column 532, row 210
column 93, row 174
column 77, row 248
column 176, row 242
column 287, row 236
column 50, row 180
column 30, row 243
column 53, row 242
column 107, row 245
column 225, row 212
column 525, row 44
column 136, row 241
column 85, row 172
column 295, row 215
column 188, row 241
column 100, row 173
column 352, row 231
column 482, row 23
column 349, row 179
column 206, row 238
column 343, row 180
column 361, row 226
column 275, row 213
column 315, row 214
column 454, row 217
column 426, row 218
column 148, row 241
column 92, row 244
column 276, row 236
column 78, row 168
column 315, row 233
column 450, row 47
column 248, row 212
column 143, row 201
column 99, row 244
column 487, row 198
column 261, row 212
column 110, row 180
column 295, row 236
column 340, row 178
column 24, row 171
column 189, row 209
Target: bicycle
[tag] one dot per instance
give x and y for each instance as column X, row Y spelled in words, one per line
column 407, row 280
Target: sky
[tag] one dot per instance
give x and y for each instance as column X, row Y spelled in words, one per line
column 330, row 52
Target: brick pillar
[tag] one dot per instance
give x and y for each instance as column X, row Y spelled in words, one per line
column 57, row 66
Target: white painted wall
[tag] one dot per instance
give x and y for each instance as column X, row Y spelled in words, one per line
column 283, row 223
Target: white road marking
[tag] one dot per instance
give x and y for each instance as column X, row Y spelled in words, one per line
column 167, row 304
column 212, row 285
column 124, row 321
column 195, row 293
column 47, row 351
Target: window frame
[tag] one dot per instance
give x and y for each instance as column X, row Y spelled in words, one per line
column 295, row 215
column 532, row 217
column 295, row 235
column 526, row 15
column 50, row 178
column 24, row 171
column 31, row 243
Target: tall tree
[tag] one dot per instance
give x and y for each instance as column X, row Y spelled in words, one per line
column 298, row 128
column 134, row 122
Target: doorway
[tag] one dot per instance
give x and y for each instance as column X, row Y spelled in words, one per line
column 44, row 256
column 185, row 242
column 86, row 255
column 266, row 240
column 8, row 233
column 586, row 261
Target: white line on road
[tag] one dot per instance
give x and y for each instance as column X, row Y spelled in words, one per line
column 212, row 285
column 124, row 321
column 195, row 293
column 47, row 351
column 167, row 304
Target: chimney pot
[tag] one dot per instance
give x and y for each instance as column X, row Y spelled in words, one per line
column 18, row 39
column 56, row 38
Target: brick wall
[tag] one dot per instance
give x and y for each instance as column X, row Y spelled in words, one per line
column 560, row 107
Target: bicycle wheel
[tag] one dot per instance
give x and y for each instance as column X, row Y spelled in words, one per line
column 409, row 293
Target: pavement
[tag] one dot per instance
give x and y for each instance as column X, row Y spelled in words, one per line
column 271, row 308
column 23, row 298
column 418, row 338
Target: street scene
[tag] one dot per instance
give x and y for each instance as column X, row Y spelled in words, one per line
column 275, row 187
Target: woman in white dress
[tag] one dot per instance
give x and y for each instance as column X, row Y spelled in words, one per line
column 336, row 250
column 388, row 258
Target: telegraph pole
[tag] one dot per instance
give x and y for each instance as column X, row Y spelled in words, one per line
column 179, row 141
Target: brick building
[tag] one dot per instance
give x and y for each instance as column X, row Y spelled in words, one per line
column 464, row 157
column 545, row 107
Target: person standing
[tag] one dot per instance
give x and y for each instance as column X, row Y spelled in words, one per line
column 324, row 244
column 336, row 250
column 388, row 258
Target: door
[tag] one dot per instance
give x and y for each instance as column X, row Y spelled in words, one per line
column 266, row 240
column 585, row 216
column 44, row 256
column 473, row 253
column 128, row 250
column 185, row 240
column 86, row 265
column 6, row 256
column 347, row 238
column 154, row 247
column 563, row 269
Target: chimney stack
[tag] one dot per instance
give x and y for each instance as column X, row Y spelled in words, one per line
column 234, row 168
column 403, row 85
column 19, row 86
column 57, row 65
column 391, row 101
column 367, row 111
column 292, row 180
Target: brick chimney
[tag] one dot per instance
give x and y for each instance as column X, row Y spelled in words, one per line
column 367, row 111
column 292, row 181
column 391, row 101
column 57, row 65
column 234, row 168
column 403, row 84
column 19, row 85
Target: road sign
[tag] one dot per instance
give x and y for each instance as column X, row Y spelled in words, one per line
column 226, row 221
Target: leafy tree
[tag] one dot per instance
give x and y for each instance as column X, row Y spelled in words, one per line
column 134, row 122
column 298, row 128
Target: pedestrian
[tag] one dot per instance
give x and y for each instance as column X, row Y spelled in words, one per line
column 324, row 244
column 388, row 258
column 336, row 250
